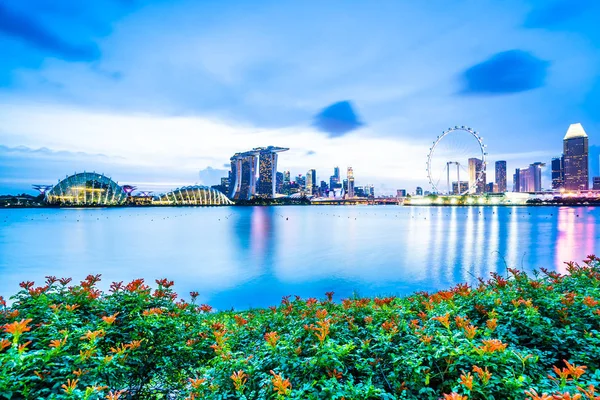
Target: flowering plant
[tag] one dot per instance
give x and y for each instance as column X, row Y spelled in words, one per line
column 511, row 337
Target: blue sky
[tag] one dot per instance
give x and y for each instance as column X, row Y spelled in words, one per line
column 153, row 92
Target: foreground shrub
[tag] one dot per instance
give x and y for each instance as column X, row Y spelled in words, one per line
column 507, row 338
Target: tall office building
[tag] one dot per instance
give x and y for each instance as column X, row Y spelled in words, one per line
column 501, row 176
column 311, row 181
column 596, row 183
column 558, row 173
column 267, row 169
column 575, row 158
column 350, row 182
column 324, row 188
column 516, row 180
column 334, row 180
column 242, row 186
column 476, row 170
column 529, row 179
column 419, row 191
column 279, row 182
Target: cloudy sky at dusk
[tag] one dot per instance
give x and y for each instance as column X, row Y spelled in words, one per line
column 153, row 92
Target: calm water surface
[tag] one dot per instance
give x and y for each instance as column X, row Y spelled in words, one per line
column 252, row 256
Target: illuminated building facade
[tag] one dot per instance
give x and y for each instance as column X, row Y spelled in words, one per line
column 279, row 182
column 476, row 176
column 267, row 186
column 529, row 179
column 492, row 187
column 243, row 175
column 464, row 186
column 575, row 158
column 195, row 195
column 86, row 189
column 334, row 180
column 558, row 173
column 311, row 181
column 501, row 176
column 350, row 175
column 596, row 183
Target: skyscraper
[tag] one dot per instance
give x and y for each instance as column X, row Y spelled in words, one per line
column 501, row 176
column 278, row 182
column 268, row 170
column 575, row 161
column 419, row 191
column 529, row 179
column 334, row 180
column 476, row 176
column 350, row 182
column 311, row 181
column 243, row 173
column 558, row 173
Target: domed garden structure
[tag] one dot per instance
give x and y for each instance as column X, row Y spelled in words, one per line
column 195, row 195
column 86, row 189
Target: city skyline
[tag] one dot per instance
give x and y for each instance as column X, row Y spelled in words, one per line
column 80, row 89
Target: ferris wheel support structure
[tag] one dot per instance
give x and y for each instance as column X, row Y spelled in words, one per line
column 483, row 154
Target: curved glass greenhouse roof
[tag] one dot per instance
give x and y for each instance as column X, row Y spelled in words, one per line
column 193, row 195
column 86, row 188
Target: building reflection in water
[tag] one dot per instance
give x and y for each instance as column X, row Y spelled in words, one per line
column 576, row 236
column 251, row 256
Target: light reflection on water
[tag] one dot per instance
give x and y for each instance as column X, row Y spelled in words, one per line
column 252, row 256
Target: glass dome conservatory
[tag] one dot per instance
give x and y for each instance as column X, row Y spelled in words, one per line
column 86, row 189
column 193, row 195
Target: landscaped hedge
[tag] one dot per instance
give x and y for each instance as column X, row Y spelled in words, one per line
column 507, row 338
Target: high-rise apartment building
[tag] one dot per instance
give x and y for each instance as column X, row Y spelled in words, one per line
column 558, row 173
column 476, row 176
column 501, row 176
column 575, row 158
column 350, row 175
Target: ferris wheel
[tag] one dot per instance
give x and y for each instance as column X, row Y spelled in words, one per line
column 456, row 162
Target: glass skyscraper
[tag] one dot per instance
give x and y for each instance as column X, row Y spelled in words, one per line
column 558, row 173
column 501, row 176
column 350, row 182
column 575, row 158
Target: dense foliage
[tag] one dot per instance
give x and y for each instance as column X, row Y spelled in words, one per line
column 507, row 338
